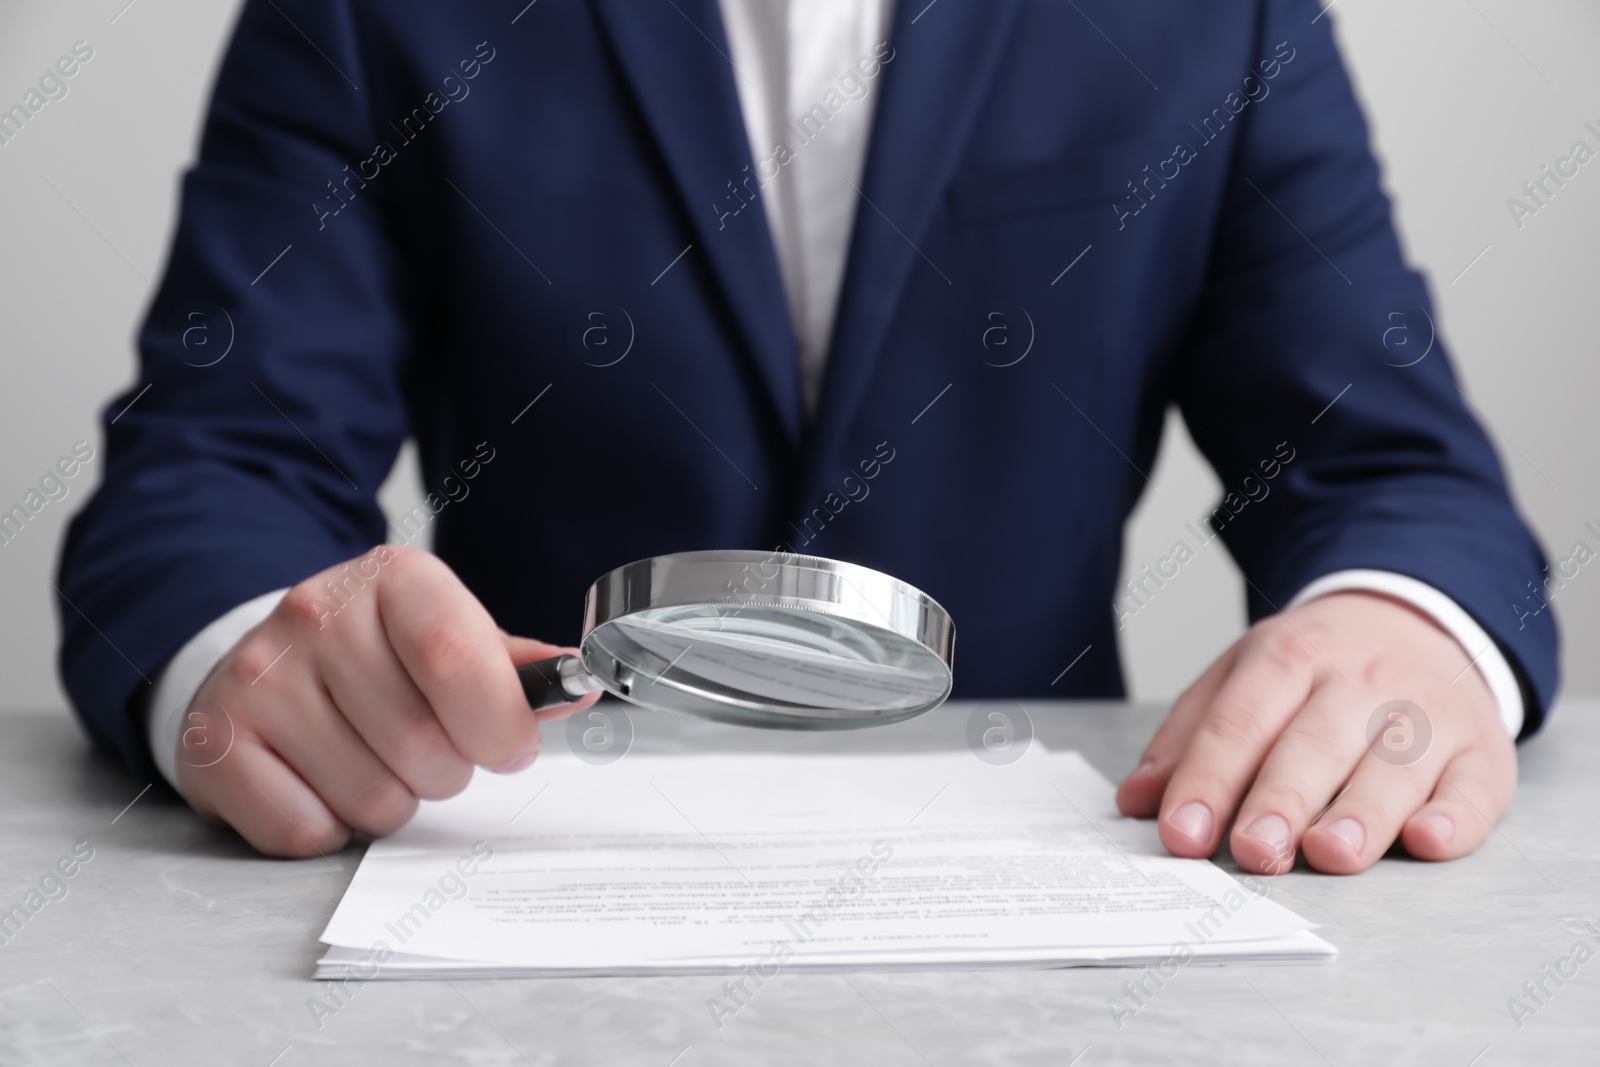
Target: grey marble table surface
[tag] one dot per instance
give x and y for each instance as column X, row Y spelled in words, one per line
column 174, row 944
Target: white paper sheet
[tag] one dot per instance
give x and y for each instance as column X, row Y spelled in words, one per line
column 703, row 863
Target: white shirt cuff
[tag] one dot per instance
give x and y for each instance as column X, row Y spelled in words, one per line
column 181, row 678
column 1486, row 655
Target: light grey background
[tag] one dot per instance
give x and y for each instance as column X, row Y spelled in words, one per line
column 1468, row 99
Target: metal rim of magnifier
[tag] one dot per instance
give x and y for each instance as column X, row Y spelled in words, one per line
column 848, row 591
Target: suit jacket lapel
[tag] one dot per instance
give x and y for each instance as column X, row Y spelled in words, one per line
column 944, row 58
column 668, row 50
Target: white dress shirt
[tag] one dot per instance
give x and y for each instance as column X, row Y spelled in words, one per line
column 787, row 56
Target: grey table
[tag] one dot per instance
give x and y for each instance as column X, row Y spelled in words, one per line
column 174, row 944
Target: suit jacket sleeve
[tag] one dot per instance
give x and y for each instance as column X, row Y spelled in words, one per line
column 269, row 404
column 1309, row 304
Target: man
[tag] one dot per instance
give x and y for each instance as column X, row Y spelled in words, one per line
column 906, row 287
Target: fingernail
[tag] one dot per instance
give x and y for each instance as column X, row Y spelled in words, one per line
column 1193, row 821
column 1144, row 768
column 1273, row 830
column 1350, row 832
column 521, row 763
column 1443, row 827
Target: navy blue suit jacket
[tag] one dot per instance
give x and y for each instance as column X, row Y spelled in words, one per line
column 420, row 218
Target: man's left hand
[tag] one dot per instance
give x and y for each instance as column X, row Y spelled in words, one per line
column 1279, row 728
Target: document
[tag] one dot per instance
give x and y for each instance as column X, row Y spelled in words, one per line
column 712, row 863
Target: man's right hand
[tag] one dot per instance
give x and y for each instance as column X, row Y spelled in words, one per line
column 352, row 701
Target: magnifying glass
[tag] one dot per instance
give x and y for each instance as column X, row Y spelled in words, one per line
column 757, row 639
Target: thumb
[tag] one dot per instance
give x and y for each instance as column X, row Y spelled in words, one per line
column 526, row 650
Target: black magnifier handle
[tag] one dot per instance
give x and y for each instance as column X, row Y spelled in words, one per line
column 549, row 683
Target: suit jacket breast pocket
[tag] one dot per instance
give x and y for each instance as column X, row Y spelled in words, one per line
column 1017, row 228
column 1094, row 178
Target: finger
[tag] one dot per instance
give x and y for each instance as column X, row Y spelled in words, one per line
column 307, row 731
column 1473, row 793
column 1312, row 760
column 1268, row 685
column 271, row 807
column 1364, row 820
column 457, row 657
column 377, row 697
column 1140, row 793
column 525, row 650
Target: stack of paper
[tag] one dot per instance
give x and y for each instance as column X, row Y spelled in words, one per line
column 753, row 863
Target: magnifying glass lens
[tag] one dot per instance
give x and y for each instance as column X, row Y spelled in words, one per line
column 764, row 665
